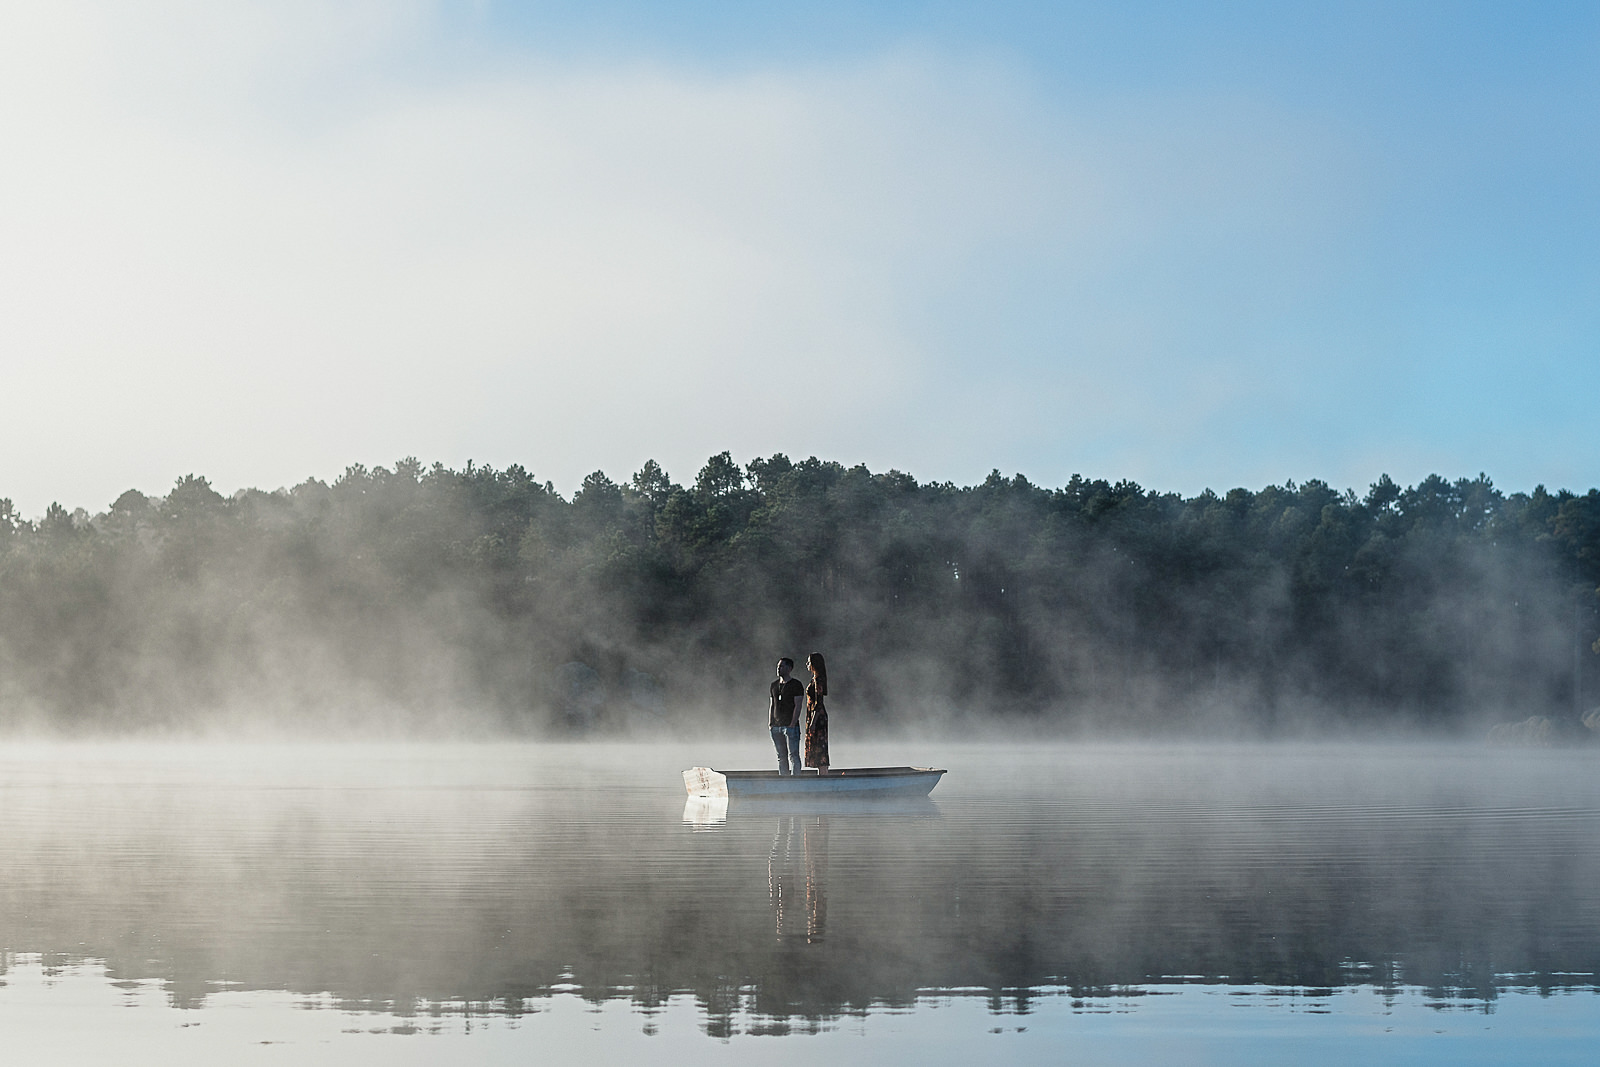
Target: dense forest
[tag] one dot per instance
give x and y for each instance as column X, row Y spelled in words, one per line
column 481, row 600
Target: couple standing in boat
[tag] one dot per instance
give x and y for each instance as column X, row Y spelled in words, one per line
column 783, row 719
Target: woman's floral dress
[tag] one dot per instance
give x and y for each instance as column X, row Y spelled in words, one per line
column 814, row 749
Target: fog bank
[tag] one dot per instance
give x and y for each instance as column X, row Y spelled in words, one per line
column 481, row 602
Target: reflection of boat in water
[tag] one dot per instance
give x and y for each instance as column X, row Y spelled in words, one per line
column 845, row 782
column 708, row 813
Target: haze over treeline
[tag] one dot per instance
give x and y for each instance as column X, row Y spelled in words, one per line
column 481, row 599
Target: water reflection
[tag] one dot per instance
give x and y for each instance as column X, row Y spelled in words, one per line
column 713, row 813
column 797, row 873
column 706, row 813
column 490, row 881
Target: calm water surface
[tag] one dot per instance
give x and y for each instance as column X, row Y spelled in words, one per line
column 1082, row 904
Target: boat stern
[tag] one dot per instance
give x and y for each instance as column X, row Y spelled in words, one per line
column 705, row 782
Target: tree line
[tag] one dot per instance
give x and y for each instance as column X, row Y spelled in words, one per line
column 422, row 598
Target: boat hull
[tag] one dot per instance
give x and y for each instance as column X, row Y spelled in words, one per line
column 848, row 781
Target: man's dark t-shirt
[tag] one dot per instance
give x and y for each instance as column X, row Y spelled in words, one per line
column 784, row 695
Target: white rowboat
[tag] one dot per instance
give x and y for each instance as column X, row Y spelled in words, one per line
column 847, row 781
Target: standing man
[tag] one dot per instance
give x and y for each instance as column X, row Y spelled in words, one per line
column 781, row 717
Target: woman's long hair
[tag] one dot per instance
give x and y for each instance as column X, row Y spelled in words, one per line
column 815, row 665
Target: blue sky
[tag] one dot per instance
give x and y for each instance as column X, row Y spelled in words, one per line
column 1188, row 244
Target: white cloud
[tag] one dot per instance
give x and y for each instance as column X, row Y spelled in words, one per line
column 260, row 241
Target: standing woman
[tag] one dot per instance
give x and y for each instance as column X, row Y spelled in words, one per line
column 816, row 740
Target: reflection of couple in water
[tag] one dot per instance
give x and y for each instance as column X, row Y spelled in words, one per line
column 782, row 716
column 799, row 841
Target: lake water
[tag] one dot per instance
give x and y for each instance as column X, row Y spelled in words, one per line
column 1085, row 904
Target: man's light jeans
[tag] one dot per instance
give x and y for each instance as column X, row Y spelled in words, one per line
column 786, row 739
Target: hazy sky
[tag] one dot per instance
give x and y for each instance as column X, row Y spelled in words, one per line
column 1188, row 244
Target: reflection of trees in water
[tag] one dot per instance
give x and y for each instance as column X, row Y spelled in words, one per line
column 497, row 900
column 497, row 924
column 797, row 873
column 916, row 908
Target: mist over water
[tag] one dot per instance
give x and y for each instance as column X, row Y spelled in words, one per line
column 422, row 887
column 425, row 601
